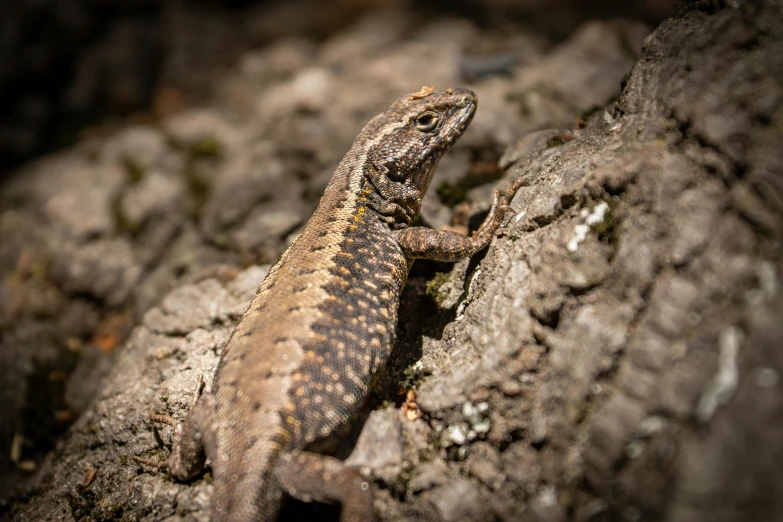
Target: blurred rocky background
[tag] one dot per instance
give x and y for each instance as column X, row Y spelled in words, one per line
column 157, row 156
column 69, row 65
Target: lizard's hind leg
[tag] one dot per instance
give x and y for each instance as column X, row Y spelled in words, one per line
column 310, row 476
column 194, row 439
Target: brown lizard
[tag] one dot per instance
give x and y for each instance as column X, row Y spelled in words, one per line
column 302, row 358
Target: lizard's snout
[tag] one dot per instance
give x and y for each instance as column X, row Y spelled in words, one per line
column 465, row 97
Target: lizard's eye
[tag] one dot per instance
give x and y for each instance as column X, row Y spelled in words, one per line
column 427, row 121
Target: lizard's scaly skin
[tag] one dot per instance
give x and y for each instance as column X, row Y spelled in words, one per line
column 303, row 356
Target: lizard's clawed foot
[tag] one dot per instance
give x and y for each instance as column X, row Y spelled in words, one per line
column 163, row 419
column 199, row 388
column 503, row 198
column 166, row 419
column 160, row 464
column 512, row 190
column 503, row 201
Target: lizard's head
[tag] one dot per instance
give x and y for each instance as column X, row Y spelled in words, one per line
column 407, row 141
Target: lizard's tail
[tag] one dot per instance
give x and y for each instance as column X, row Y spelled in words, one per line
column 246, row 489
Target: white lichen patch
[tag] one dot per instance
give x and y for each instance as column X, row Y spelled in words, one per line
column 587, row 219
column 475, row 426
column 646, row 429
column 721, row 388
column 456, row 435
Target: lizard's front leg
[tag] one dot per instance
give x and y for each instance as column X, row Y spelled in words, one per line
column 310, row 476
column 444, row 245
column 194, row 441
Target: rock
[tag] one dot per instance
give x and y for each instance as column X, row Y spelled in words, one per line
column 437, row 395
column 520, row 464
column 544, row 507
column 245, row 284
column 483, row 462
column 85, row 208
column 203, row 132
column 267, row 225
column 245, row 181
column 379, row 448
column 85, row 380
column 457, row 500
column 194, row 306
column 431, row 474
column 579, row 368
column 106, row 270
column 138, row 148
column 156, row 195
column 308, row 91
column 368, row 37
column 551, row 94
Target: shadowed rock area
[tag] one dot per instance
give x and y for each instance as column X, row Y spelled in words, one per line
column 614, row 355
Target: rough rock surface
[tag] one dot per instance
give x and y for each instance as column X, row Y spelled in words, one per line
column 613, row 356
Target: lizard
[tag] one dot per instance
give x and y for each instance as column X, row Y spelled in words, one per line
column 303, row 356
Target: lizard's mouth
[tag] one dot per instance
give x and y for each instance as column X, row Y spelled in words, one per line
column 463, row 110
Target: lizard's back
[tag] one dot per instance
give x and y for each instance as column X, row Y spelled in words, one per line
column 303, row 355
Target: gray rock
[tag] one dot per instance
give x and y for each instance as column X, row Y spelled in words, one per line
column 266, row 225
column 155, row 196
column 85, row 380
column 84, row 209
column 545, row 506
column 245, row 181
column 460, row 499
column 199, row 127
column 437, row 395
column 430, row 475
column 245, row 284
column 520, row 464
column 591, row 328
column 379, row 448
column 483, row 462
column 194, row 306
column 551, row 92
column 105, row 270
column 138, row 148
